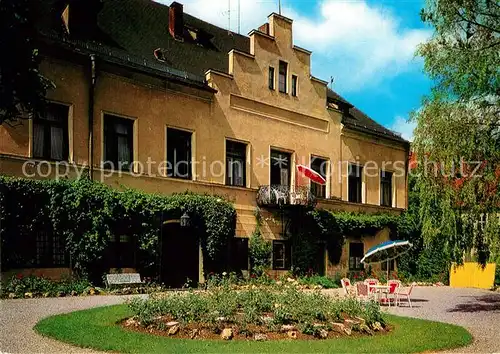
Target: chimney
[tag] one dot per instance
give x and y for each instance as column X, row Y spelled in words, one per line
column 176, row 20
column 264, row 28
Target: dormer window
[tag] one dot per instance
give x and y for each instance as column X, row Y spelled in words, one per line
column 283, row 72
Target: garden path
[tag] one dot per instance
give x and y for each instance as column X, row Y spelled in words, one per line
column 17, row 318
column 475, row 309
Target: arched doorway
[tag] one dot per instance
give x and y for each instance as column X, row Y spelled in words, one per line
column 180, row 255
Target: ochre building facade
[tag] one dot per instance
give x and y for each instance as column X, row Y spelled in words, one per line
column 237, row 114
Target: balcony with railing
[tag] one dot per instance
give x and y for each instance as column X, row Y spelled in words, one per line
column 282, row 195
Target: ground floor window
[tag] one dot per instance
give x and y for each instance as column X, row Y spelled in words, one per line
column 282, row 255
column 50, row 250
column 392, row 265
column 238, row 253
column 356, row 252
column 121, row 252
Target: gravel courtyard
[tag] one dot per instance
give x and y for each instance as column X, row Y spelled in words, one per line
column 17, row 318
column 476, row 310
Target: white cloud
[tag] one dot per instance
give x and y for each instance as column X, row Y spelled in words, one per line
column 253, row 13
column 357, row 43
column 363, row 44
column 403, row 127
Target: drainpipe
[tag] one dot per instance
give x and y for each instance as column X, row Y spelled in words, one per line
column 91, row 115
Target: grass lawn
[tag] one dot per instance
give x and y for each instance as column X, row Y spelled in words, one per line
column 96, row 328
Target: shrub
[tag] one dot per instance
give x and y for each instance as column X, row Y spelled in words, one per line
column 86, row 214
column 259, row 249
column 32, row 286
column 324, row 282
column 271, row 306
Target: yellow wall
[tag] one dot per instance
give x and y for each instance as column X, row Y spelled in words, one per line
column 472, row 275
column 244, row 109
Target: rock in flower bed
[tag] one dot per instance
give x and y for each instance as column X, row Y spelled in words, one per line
column 280, row 312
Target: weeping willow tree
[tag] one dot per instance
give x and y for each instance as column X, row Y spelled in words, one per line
column 457, row 139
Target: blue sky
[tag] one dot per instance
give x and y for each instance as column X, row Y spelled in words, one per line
column 366, row 45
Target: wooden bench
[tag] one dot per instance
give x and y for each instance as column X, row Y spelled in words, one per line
column 119, row 279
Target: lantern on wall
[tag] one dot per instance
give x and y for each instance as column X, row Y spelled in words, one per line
column 185, row 219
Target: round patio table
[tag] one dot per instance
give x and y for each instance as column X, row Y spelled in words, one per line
column 379, row 290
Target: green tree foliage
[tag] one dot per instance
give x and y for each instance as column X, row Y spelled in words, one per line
column 88, row 214
column 321, row 226
column 22, row 87
column 426, row 261
column 457, row 139
column 260, row 249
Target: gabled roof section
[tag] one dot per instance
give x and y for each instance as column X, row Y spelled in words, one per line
column 139, row 27
column 135, row 33
column 354, row 119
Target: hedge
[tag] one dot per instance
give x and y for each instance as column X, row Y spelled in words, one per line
column 86, row 214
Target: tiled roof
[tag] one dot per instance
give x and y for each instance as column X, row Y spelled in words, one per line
column 357, row 120
column 131, row 30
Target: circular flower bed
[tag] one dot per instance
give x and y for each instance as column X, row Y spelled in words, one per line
column 278, row 312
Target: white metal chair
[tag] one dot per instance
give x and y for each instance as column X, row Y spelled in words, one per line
column 404, row 293
column 394, row 286
column 346, row 284
column 371, row 282
column 363, row 292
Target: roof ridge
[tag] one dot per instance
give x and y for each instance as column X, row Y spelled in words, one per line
column 155, row 2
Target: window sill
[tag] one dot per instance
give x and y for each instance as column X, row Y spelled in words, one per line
column 233, row 186
column 180, row 178
column 40, row 159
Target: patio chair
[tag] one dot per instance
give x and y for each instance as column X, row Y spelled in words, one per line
column 404, row 293
column 394, row 286
column 346, row 284
column 362, row 291
column 371, row 282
